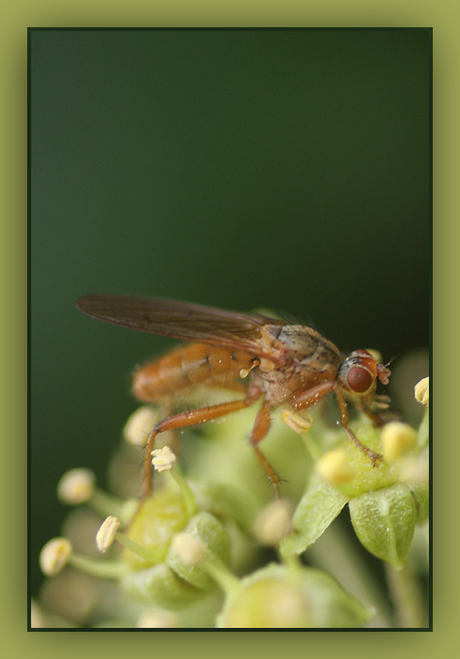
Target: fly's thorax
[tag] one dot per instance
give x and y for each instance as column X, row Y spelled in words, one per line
column 307, row 360
column 305, row 347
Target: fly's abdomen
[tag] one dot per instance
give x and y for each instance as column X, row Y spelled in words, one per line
column 186, row 367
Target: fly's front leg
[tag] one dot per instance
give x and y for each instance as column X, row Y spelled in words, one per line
column 374, row 457
column 378, row 413
column 186, row 419
column 373, row 416
column 313, row 395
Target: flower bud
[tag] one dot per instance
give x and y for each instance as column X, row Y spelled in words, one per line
column 334, row 466
column 163, row 458
column 421, row 494
column 139, row 425
column 160, row 517
column 422, row 391
column 188, row 549
column 157, row 619
column 273, row 597
column 160, row 586
column 76, row 486
column 203, row 534
column 397, row 438
column 107, row 533
column 384, row 522
column 351, row 471
column 54, row 555
column 273, row 523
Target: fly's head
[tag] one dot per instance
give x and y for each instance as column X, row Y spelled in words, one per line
column 358, row 375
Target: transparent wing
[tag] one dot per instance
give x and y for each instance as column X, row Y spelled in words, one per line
column 183, row 320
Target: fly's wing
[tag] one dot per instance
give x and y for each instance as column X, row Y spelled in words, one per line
column 183, row 320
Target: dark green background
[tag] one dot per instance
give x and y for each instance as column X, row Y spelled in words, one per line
column 284, row 169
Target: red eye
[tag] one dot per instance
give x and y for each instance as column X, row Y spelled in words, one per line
column 359, row 379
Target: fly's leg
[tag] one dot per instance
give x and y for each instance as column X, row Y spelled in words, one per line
column 259, row 430
column 380, row 416
column 374, row 457
column 313, row 395
column 186, row 419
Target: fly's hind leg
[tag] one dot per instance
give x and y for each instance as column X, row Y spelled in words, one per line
column 186, row 419
column 259, row 430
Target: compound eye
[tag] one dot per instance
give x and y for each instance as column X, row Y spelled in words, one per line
column 359, row 379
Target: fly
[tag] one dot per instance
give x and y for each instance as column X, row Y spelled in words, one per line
column 264, row 358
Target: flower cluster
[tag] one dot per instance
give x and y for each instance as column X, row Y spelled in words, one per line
column 213, row 549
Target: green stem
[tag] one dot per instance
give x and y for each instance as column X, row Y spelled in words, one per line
column 406, row 595
column 216, row 569
column 104, row 504
column 149, row 554
column 336, row 553
column 189, row 497
column 312, row 447
column 99, row 568
column 424, row 430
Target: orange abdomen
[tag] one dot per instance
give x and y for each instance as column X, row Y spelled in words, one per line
column 188, row 366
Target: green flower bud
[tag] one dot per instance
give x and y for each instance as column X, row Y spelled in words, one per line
column 214, row 538
column 350, row 470
column 384, row 522
column 161, row 516
column 421, row 494
column 160, row 586
column 280, row 597
column 226, row 501
column 414, row 473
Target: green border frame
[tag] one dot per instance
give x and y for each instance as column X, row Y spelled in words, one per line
column 252, row 13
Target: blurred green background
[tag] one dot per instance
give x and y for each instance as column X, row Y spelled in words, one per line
column 240, row 169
